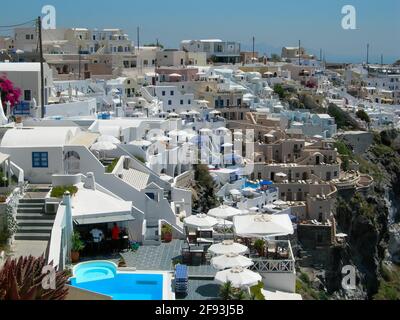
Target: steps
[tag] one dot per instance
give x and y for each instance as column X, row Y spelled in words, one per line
column 151, row 237
column 33, row 223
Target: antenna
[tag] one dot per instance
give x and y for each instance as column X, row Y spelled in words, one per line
column 39, row 25
column 367, row 54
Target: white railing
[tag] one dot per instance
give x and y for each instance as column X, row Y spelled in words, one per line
column 273, row 266
column 58, row 242
column 18, row 172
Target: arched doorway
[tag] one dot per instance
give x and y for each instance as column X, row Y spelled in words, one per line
column 72, row 163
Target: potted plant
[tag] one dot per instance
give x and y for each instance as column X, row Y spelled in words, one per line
column 77, row 246
column 166, row 233
column 259, row 245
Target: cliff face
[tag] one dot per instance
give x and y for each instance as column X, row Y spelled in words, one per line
column 371, row 221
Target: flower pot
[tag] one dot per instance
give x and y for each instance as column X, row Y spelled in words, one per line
column 167, row 237
column 74, row 257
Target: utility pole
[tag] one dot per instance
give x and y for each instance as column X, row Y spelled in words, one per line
column 254, row 48
column 381, row 59
column 79, row 55
column 39, row 24
column 138, row 38
column 299, row 52
column 367, row 54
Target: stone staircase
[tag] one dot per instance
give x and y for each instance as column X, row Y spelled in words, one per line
column 33, row 223
column 151, row 237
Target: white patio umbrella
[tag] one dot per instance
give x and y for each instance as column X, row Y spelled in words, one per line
column 227, row 247
column 215, row 112
column 141, row 143
column 161, row 139
column 231, row 260
column 263, row 226
column 201, row 221
column 222, row 223
column 194, row 113
column 227, row 145
column 224, row 212
column 239, row 277
column 103, row 146
column 108, row 138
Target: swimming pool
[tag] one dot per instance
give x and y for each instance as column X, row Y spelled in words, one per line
column 104, row 278
column 252, row 185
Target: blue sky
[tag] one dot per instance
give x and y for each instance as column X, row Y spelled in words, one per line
column 274, row 23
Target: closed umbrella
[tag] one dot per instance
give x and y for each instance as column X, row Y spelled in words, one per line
column 231, row 260
column 201, row 221
column 227, row 247
column 239, row 277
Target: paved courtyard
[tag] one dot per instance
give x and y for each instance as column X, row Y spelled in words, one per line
column 161, row 258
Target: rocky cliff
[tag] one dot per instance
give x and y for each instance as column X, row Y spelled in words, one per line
column 371, row 219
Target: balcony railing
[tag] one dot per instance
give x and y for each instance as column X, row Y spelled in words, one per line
column 273, row 266
column 279, row 259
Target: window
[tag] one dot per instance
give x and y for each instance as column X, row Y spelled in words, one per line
column 170, row 102
column 181, row 102
column 40, row 159
column 152, row 196
column 27, row 95
column 172, row 93
column 189, row 102
column 163, row 93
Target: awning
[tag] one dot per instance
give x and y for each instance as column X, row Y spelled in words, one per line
column 104, row 219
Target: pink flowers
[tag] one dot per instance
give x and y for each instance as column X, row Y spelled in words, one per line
column 8, row 92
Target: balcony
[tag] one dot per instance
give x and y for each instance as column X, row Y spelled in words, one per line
column 277, row 258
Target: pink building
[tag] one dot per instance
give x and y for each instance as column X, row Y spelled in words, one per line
column 171, row 74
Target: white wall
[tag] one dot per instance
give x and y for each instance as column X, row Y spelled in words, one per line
column 72, row 109
column 22, row 157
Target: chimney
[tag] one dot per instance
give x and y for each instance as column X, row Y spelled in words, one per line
column 90, row 182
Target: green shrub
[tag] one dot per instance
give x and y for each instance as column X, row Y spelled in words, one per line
column 305, row 278
column 112, row 166
column 256, row 291
column 58, row 192
column 77, row 244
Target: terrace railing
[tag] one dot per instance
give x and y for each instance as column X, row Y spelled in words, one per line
column 273, row 266
column 278, row 264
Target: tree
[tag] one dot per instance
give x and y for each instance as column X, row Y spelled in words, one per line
column 275, row 58
column 9, row 93
column 227, row 291
column 361, row 114
column 343, row 119
column 204, row 197
column 278, row 89
column 23, row 279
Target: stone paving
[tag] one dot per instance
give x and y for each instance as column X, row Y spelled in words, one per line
column 161, row 258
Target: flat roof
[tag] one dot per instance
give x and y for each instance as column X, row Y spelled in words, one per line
column 86, row 139
column 31, row 137
column 19, row 66
column 95, row 204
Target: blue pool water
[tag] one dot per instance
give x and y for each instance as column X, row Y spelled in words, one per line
column 103, row 278
column 251, row 185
